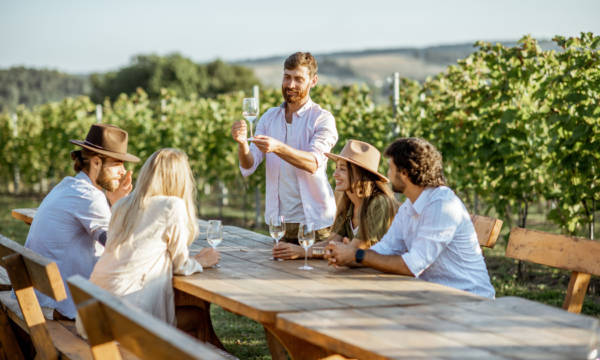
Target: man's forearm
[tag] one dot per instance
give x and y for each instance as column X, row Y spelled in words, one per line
column 298, row 158
column 245, row 156
column 386, row 263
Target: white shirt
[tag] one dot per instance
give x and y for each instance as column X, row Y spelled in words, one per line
column 290, row 201
column 141, row 269
column 314, row 131
column 438, row 243
column 66, row 228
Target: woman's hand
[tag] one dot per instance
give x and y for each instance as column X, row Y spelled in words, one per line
column 208, row 257
column 287, row 251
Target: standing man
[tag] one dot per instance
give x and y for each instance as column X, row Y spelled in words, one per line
column 73, row 218
column 432, row 236
column 294, row 138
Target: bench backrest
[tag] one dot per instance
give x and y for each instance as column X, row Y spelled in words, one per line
column 28, row 270
column 107, row 319
column 578, row 255
column 487, row 229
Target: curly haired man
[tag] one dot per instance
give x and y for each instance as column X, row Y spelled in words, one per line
column 432, row 236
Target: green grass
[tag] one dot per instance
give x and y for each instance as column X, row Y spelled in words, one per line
column 241, row 336
column 10, row 227
column 245, row 338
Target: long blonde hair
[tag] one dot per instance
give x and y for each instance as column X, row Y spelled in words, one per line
column 166, row 172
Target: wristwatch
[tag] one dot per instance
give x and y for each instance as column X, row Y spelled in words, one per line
column 359, row 256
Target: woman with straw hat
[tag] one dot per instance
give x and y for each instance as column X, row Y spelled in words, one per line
column 366, row 206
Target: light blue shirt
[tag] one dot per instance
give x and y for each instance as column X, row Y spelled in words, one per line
column 438, row 243
column 67, row 227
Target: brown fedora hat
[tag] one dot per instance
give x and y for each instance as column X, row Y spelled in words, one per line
column 107, row 140
column 362, row 154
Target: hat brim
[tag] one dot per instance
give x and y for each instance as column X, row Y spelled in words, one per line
column 118, row 156
column 338, row 157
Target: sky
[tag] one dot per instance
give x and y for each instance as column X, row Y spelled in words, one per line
column 83, row 36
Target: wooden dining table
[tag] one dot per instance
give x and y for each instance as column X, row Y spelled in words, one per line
column 250, row 283
column 25, row 215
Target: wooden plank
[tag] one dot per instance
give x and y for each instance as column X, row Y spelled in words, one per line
column 30, row 308
column 560, row 251
column 487, row 229
column 43, row 273
column 98, row 331
column 25, row 215
column 140, row 333
column 488, row 329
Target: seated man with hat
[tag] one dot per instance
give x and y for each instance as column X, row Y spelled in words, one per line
column 365, row 206
column 73, row 218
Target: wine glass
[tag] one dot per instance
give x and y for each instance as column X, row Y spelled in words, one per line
column 277, row 229
column 250, row 111
column 306, row 238
column 214, row 234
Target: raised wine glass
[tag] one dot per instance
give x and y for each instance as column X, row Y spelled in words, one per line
column 306, row 238
column 277, row 229
column 250, row 112
column 214, row 234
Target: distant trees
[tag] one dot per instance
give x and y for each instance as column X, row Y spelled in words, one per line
column 173, row 72
column 20, row 85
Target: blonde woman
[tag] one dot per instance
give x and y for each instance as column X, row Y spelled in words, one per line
column 149, row 234
column 365, row 206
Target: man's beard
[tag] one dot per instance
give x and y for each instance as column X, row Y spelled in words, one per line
column 294, row 98
column 399, row 187
column 105, row 182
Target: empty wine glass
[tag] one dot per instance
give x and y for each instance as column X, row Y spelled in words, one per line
column 306, row 238
column 250, row 112
column 214, row 234
column 277, row 229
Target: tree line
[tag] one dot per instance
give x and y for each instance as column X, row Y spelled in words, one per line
column 30, row 87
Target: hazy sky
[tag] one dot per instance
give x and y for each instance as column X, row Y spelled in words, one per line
column 85, row 35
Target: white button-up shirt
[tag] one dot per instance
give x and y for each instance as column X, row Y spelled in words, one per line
column 67, row 226
column 438, row 243
column 314, row 131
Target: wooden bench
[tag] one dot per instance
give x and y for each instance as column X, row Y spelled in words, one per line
column 487, row 229
column 107, row 320
column 28, row 270
column 578, row 255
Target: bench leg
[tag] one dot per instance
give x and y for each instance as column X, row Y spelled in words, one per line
column 578, row 285
column 8, row 341
column 281, row 343
column 199, row 317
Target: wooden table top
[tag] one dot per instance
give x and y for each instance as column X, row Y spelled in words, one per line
column 506, row 328
column 26, row 215
column 251, row 284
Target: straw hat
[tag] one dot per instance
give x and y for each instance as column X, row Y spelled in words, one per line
column 361, row 154
column 107, row 140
